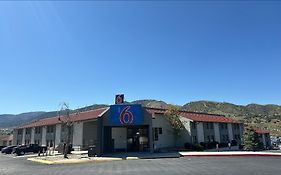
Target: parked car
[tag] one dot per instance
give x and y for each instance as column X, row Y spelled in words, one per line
column 34, row 148
column 2, row 147
column 8, row 149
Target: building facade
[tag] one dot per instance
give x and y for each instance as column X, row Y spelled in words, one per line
column 122, row 128
column 6, row 140
column 264, row 137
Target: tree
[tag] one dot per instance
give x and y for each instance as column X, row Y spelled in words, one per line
column 64, row 118
column 251, row 139
column 173, row 115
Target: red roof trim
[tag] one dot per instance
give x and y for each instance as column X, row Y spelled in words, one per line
column 262, row 131
column 87, row 115
column 200, row 117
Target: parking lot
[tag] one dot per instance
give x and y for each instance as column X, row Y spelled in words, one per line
column 194, row 165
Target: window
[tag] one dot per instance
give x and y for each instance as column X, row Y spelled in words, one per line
column 28, row 131
column 50, row 129
column 193, row 125
column 37, row 130
column 237, row 126
column 208, row 139
column 223, row 126
column 160, row 130
column 20, row 132
column 211, row 125
column 194, row 139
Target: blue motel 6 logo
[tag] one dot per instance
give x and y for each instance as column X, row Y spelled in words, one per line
column 126, row 114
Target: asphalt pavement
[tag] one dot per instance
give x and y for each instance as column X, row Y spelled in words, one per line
column 167, row 166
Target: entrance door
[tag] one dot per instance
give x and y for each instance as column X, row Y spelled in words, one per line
column 137, row 138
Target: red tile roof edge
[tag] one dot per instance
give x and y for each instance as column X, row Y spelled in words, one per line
column 262, row 131
column 196, row 116
column 73, row 117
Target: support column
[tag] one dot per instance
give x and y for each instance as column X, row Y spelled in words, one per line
column 78, row 134
column 32, row 135
column 263, row 140
column 230, row 132
column 200, row 132
column 241, row 132
column 15, row 136
column 23, row 136
column 58, row 135
column 44, row 133
column 217, row 132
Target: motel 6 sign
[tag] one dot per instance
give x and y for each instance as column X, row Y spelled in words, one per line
column 126, row 114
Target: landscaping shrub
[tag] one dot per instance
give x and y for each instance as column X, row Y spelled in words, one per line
column 197, row 147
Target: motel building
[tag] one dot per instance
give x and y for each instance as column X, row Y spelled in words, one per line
column 264, row 137
column 129, row 128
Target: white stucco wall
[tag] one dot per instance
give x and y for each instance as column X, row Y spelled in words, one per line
column 32, row 135
column 78, row 134
column 230, row 132
column 44, row 133
column 166, row 139
column 200, row 132
column 217, row 132
column 185, row 134
column 58, row 134
column 23, row 136
column 120, row 137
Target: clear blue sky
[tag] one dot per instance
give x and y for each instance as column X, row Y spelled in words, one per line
column 86, row 52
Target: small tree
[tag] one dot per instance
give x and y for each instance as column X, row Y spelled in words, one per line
column 64, row 118
column 251, row 139
column 173, row 115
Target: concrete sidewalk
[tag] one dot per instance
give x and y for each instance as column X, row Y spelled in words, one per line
column 229, row 153
column 144, row 155
column 82, row 158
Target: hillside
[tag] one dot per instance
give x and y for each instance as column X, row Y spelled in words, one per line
column 151, row 103
column 8, row 120
column 261, row 116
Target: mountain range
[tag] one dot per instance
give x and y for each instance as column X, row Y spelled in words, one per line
column 260, row 116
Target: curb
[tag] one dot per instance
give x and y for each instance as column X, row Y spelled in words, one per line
column 231, row 155
column 164, row 157
column 76, row 161
column 48, row 162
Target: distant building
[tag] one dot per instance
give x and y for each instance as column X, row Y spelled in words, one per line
column 121, row 128
column 264, row 137
column 6, row 140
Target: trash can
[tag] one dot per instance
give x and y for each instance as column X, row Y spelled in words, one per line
column 92, row 151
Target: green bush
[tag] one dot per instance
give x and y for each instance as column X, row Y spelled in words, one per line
column 197, row 147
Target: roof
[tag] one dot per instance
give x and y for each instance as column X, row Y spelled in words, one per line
column 93, row 114
column 262, row 131
column 74, row 117
column 200, row 117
